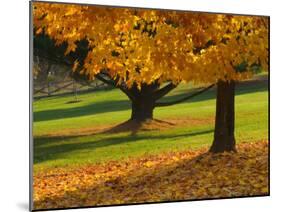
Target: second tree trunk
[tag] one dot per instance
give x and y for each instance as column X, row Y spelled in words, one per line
column 224, row 139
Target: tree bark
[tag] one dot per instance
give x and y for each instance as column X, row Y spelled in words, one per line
column 142, row 109
column 144, row 102
column 224, row 139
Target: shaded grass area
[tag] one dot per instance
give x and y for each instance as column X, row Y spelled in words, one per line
column 112, row 107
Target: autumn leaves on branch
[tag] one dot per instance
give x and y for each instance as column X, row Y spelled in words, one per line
column 147, row 53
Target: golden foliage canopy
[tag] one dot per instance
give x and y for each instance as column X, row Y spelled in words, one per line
column 142, row 46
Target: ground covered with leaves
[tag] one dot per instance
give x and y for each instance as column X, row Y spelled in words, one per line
column 184, row 175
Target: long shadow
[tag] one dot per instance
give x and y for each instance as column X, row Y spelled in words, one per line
column 45, row 153
column 120, row 105
column 91, row 109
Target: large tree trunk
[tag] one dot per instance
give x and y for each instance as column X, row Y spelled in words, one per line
column 224, row 139
column 143, row 102
column 142, row 109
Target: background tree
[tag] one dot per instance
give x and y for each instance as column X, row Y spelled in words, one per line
column 134, row 55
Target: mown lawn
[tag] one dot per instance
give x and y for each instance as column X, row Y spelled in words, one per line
column 107, row 108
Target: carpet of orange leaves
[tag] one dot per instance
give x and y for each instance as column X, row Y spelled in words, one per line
column 184, row 175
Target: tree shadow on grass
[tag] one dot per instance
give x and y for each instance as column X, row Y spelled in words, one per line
column 91, row 109
column 121, row 105
column 129, row 126
column 134, row 126
column 44, row 152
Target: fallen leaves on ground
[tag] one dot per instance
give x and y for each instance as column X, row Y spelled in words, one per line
column 184, row 175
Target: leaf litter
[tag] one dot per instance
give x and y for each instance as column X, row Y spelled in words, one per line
column 184, row 175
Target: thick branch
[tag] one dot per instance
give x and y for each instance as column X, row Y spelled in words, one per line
column 163, row 104
column 127, row 92
column 106, row 81
column 163, row 91
column 114, row 84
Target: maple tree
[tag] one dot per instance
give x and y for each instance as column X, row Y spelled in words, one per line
column 125, row 58
column 147, row 53
column 238, row 57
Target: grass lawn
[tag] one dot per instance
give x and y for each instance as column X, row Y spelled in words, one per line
column 107, row 108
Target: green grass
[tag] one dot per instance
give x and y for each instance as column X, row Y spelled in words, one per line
column 112, row 107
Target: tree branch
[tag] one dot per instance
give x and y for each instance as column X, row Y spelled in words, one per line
column 163, row 91
column 127, row 92
column 163, row 104
column 106, row 81
column 114, row 84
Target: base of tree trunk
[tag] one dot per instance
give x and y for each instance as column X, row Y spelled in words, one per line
column 135, row 126
column 218, row 148
column 224, row 139
column 142, row 110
